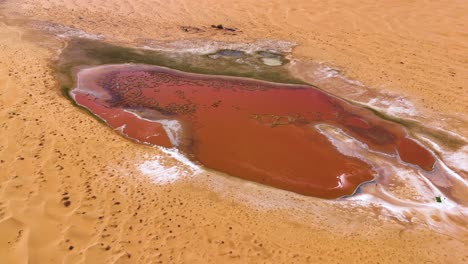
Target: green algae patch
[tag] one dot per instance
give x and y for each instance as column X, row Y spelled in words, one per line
column 85, row 52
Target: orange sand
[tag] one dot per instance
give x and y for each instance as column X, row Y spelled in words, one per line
column 50, row 150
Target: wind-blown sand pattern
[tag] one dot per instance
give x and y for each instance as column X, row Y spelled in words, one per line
column 73, row 191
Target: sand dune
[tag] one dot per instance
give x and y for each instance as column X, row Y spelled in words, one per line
column 415, row 48
column 70, row 190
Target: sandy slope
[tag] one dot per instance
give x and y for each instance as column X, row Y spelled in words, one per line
column 416, row 48
column 50, row 150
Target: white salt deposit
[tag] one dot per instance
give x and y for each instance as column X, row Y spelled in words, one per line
column 175, row 154
column 204, row 47
column 65, row 32
column 395, row 107
column 421, row 191
column 459, row 159
column 324, row 72
column 272, row 61
column 173, row 130
column 169, row 168
column 387, row 102
column 159, row 173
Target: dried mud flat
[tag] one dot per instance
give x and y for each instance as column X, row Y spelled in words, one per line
column 69, row 188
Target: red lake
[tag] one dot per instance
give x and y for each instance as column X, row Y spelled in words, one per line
column 260, row 131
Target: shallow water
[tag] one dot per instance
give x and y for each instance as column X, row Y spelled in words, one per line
column 255, row 130
column 230, row 53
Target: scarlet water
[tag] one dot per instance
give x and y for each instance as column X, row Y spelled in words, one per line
column 255, row 130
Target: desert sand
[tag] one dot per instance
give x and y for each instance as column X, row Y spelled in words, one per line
column 70, row 188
